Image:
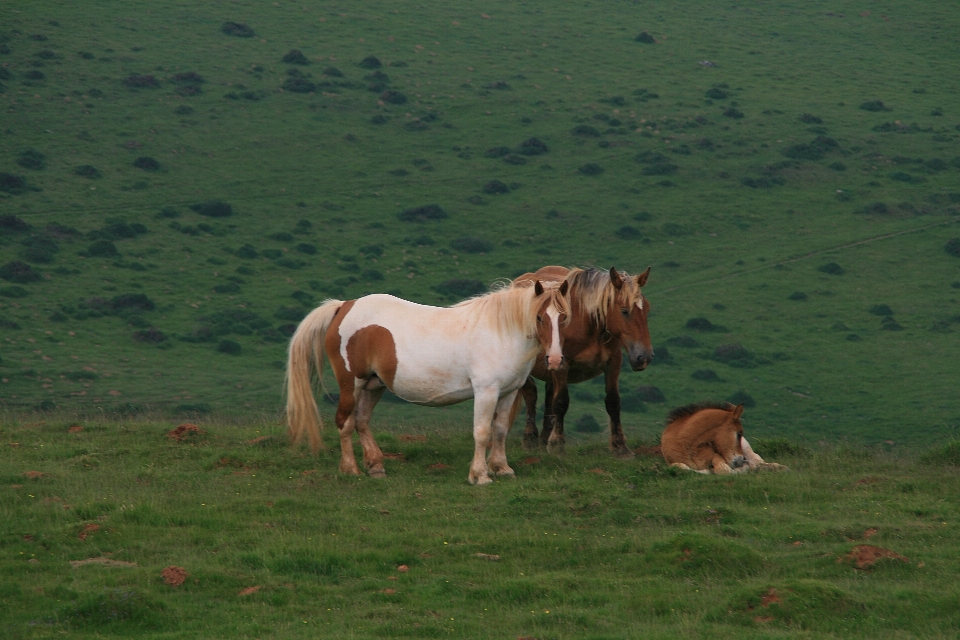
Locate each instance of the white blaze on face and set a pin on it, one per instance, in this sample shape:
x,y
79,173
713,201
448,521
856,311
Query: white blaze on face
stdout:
x,y
554,353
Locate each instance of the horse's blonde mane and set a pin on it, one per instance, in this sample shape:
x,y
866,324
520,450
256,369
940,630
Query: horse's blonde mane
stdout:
x,y
596,293
511,308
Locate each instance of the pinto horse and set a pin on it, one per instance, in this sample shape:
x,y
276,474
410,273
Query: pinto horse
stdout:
x,y
482,348
708,438
608,313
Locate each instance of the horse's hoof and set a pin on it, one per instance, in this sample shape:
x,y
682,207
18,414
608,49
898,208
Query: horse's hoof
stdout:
x,y
378,473
624,453
478,481
506,472
531,443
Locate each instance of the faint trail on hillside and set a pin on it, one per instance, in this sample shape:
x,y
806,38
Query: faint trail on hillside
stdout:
x,y
811,254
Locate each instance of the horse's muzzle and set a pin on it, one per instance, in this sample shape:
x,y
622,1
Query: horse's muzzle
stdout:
x,y
554,362
641,361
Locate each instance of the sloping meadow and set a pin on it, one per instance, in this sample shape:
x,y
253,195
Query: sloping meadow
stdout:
x,y
180,185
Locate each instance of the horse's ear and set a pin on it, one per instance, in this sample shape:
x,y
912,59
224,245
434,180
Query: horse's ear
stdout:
x,y
564,287
642,278
737,411
615,278
538,288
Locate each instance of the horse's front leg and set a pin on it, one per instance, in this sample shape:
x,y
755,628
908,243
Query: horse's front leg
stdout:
x,y
556,442
497,462
611,376
530,434
484,406
549,419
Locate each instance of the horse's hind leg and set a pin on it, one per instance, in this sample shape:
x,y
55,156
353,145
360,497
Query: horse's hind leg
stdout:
x,y
556,442
367,399
497,462
611,376
530,435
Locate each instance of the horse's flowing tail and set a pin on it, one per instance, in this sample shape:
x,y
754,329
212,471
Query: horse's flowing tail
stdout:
x,y
305,360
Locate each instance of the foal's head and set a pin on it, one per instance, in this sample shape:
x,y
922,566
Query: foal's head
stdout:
x,y
728,436
553,311
626,317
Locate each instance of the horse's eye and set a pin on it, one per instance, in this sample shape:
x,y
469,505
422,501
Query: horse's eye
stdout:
x,y
625,312
539,318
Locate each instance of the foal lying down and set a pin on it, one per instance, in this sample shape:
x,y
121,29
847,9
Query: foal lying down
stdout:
x,y
708,438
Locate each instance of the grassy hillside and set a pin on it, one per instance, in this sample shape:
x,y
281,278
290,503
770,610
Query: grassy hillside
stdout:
x,y
93,516
181,183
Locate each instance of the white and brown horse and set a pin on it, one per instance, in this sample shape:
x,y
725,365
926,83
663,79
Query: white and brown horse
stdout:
x,y
708,438
482,348
608,313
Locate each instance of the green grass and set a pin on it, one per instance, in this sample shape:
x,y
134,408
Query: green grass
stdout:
x,y
588,546
741,217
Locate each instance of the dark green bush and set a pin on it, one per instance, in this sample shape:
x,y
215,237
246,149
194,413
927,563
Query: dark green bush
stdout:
x,y
590,169
832,268
296,84
650,393
32,159
742,397
874,105
953,247
370,62
12,183
19,272
213,209
705,375
238,29
797,295
423,213
457,288
470,244
716,94
587,424
881,310
146,163
102,249
229,347
87,171
295,56
495,187
700,324
533,147
585,131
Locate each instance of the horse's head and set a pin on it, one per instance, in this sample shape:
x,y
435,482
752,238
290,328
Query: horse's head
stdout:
x,y
553,311
729,438
627,317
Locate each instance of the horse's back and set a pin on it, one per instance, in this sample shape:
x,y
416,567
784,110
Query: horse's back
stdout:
x,y
544,274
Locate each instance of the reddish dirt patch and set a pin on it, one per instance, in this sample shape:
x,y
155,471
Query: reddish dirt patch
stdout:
x,y
258,440
439,466
174,576
75,429
599,471
770,597
28,538
653,452
869,533
308,472
34,475
394,456
530,460
184,431
58,501
862,482
87,530
248,591
107,562
865,556
403,568
388,591
763,619
410,438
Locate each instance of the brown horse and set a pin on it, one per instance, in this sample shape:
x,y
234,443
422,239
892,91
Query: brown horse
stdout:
x,y
608,313
708,438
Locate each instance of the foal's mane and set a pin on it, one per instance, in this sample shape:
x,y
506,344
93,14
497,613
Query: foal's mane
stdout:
x,y
696,407
511,308
596,293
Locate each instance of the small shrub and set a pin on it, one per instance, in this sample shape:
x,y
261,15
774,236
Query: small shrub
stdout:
x,y
282,236
298,85
627,232
533,147
495,187
716,94
496,152
295,56
809,118
458,288
370,62
514,159
733,353
705,375
876,208
881,310
32,159
229,347
742,397
470,244
137,81
371,275
838,166
238,29
306,248
874,105
889,324
146,163
332,72
151,336
685,341
102,249
650,393
587,424
213,209
423,213
645,38
953,247
34,75
393,97
136,301
13,292
733,112
660,169
227,287
700,324
585,131
499,85
947,454
88,171
13,224
797,295
183,110
12,184
590,169
832,268
379,119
